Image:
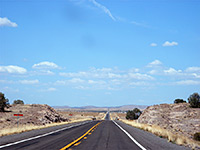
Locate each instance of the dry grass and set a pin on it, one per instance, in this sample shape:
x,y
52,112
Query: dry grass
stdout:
x,y
77,117
175,138
25,128
112,116
82,115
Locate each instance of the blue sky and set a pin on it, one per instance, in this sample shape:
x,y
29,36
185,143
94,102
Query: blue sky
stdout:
x,y
99,52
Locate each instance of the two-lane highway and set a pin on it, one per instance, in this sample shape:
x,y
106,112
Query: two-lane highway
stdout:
x,y
95,135
107,137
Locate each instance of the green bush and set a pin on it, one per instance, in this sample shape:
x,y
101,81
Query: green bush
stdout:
x,y
133,114
194,100
176,101
197,136
3,102
18,102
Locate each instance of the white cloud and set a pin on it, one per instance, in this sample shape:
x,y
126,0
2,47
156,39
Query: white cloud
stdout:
x,y
153,44
196,75
108,74
79,74
42,72
172,71
102,70
106,10
112,75
76,80
6,22
188,82
134,70
102,78
97,73
153,72
140,76
167,43
47,72
69,82
139,83
29,81
13,69
164,71
61,82
82,87
51,89
154,63
96,82
193,69
45,65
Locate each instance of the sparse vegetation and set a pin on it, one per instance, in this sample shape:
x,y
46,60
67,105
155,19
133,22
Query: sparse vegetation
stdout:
x,y
161,132
176,101
18,102
3,102
25,128
197,136
194,100
133,114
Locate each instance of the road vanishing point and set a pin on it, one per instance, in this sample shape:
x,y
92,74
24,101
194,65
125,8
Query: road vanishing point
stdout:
x,y
88,135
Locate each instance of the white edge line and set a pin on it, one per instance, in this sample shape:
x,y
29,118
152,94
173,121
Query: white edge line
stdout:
x,y
105,115
39,136
138,144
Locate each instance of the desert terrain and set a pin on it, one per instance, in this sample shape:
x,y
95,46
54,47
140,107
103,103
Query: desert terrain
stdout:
x,y
177,122
37,116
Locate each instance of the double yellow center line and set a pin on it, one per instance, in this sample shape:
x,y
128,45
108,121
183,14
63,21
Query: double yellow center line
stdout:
x,y
75,141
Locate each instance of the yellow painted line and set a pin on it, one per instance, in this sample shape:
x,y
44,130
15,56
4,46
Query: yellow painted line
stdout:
x,y
85,137
75,141
77,144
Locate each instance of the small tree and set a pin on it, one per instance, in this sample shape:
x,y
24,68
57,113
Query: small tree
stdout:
x,y
133,114
194,100
18,102
3,102
130,115
176,101
197,136
137,113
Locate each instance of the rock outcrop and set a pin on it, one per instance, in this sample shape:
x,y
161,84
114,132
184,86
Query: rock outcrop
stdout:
x,y
32,114
178,118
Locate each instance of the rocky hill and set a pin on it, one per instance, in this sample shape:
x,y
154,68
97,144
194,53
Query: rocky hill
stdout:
x,y
32,114
178,118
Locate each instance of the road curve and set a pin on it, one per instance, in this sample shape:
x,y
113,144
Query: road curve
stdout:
x,y
97,135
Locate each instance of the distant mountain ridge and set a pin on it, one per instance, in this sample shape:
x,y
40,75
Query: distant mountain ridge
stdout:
x,y
111,108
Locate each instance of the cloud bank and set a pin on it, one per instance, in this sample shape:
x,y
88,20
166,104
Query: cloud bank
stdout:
x,y
153,74
13,69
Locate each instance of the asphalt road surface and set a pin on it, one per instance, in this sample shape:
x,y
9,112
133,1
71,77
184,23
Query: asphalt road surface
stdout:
x,y
93,135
